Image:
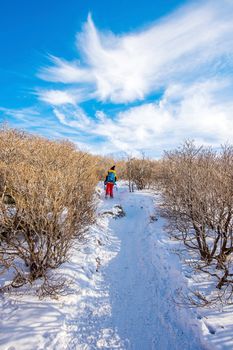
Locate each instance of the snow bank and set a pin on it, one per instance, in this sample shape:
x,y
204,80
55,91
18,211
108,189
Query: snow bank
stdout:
x,y
123,281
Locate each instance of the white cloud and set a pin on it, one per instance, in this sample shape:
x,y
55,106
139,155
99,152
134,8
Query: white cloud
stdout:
x,y
183,112
76,118
187,44
43,123
201,111
71,96
65,72
20,113
56,97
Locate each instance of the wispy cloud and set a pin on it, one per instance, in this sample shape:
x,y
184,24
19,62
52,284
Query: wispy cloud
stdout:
x,y
71,96
20,114
182,112
43,122
190,43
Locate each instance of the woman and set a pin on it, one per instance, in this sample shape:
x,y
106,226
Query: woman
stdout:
x,y
110,181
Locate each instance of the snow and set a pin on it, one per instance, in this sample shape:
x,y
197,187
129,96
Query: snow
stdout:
x,y
125,280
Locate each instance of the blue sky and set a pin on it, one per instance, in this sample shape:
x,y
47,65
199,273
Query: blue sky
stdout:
x,y
118,76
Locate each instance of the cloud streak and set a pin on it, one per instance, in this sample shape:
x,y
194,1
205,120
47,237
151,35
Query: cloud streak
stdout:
x,y
195,113
121,69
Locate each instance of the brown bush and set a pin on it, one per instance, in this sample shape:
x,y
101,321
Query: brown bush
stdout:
x,y
102,166
198,201
141,172
46,201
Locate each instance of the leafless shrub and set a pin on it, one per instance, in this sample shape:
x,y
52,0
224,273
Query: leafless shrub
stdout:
x,y
51,187
103,164
141,172
198,202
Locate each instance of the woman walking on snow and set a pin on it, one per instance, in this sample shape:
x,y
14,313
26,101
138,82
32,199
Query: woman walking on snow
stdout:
x,y
110,181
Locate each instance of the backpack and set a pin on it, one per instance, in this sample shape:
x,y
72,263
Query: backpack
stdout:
x,y
111,177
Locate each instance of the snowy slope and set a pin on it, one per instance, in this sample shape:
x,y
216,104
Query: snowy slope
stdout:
x,y
124,281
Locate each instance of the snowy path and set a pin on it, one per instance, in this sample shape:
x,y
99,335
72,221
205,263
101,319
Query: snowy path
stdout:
x,y
133,307
123,293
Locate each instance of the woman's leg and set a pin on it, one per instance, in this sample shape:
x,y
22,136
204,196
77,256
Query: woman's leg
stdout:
x,y
111,190
107,189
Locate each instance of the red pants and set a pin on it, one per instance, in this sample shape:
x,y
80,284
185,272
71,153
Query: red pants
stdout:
x,y
109,189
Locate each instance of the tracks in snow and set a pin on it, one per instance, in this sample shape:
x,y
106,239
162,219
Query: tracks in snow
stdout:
x,y
128,302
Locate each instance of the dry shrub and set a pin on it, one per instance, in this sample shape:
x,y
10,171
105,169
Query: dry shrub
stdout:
x,y
141,172
46,201
121,169
102,166
198,202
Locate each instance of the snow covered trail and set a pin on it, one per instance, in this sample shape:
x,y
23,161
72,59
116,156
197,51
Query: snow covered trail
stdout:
x,y
125,280
132,305
140,291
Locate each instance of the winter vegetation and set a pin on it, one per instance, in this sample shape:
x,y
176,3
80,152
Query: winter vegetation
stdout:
x,y
47,193
198,204
46,203
49,200
140,172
